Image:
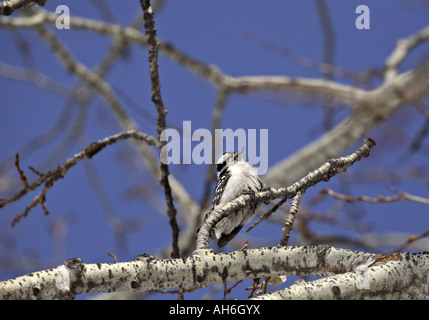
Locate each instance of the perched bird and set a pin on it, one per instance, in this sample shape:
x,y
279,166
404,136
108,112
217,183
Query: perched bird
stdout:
x,y
235,177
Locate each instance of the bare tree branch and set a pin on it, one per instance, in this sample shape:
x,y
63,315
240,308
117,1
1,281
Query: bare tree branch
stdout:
x,y
37,21
324,173
370,109
10,6
42,81
290,219
49,178
153,44
350,274
371,280
400,197
403,47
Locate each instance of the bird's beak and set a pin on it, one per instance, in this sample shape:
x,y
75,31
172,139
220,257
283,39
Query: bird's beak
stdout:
x,y
240,154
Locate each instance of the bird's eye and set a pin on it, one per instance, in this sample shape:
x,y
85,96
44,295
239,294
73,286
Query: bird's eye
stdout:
x,y
220,166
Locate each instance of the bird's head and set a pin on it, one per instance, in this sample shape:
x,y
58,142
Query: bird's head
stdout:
x,y
228,158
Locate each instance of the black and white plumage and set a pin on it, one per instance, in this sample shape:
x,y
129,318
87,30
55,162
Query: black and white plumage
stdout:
x,y
235,177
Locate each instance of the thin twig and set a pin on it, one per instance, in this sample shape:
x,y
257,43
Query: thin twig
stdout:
x,y
329,37
49,178
113,256
402,49
268,213
153,44
409,241
22,175
227,290
254,287
290,219
400,197
180,291
323,67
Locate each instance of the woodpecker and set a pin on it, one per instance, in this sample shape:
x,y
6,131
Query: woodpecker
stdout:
x,y
235,177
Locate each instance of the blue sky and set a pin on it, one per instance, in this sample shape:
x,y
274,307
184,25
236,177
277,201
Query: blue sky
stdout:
x,y
214,32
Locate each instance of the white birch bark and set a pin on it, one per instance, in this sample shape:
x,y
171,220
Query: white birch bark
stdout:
x,y
346,274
